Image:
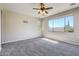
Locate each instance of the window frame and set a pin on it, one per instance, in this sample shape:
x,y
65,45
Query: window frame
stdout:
x,y
64,22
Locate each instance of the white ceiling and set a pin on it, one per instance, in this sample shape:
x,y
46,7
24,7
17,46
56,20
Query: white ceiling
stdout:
x,y
27,8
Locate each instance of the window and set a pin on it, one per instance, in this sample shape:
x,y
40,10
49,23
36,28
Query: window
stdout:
x,y
61,24
69,24
51,25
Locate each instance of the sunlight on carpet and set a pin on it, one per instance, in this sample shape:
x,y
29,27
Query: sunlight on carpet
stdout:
x,y
52,41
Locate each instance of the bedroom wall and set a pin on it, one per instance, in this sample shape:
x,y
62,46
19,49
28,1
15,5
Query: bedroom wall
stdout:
x,y
0,28
72,38
14,28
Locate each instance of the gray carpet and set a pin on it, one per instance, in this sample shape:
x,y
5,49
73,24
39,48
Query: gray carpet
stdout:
x,y
39,47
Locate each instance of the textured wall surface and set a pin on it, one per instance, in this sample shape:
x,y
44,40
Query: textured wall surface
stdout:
x,y
0,29
19,27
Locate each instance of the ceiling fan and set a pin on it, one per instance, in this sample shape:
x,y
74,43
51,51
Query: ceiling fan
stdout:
x,y
43,9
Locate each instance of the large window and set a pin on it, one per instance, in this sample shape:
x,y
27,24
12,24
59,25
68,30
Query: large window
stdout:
x,y
64,24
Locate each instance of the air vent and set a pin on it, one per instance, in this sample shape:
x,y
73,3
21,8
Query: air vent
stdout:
x,y
25,21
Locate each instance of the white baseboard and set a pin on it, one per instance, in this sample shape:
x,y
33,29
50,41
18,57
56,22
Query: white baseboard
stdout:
x,y
20,40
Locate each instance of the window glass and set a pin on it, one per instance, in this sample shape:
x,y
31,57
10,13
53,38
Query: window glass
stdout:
x,y
61,24
50,25
69,24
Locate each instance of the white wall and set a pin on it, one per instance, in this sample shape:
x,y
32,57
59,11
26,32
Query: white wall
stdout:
x,y
0,29
72,38
13,28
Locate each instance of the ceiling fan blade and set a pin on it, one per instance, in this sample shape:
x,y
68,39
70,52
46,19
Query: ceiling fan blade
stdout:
x,y
46,12
36,8
49,8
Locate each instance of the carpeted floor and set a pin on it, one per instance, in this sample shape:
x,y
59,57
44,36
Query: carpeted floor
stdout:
x,y
39,47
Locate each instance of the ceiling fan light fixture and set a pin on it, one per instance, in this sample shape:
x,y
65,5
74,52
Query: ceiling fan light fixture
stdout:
x,y
43,9
42,12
